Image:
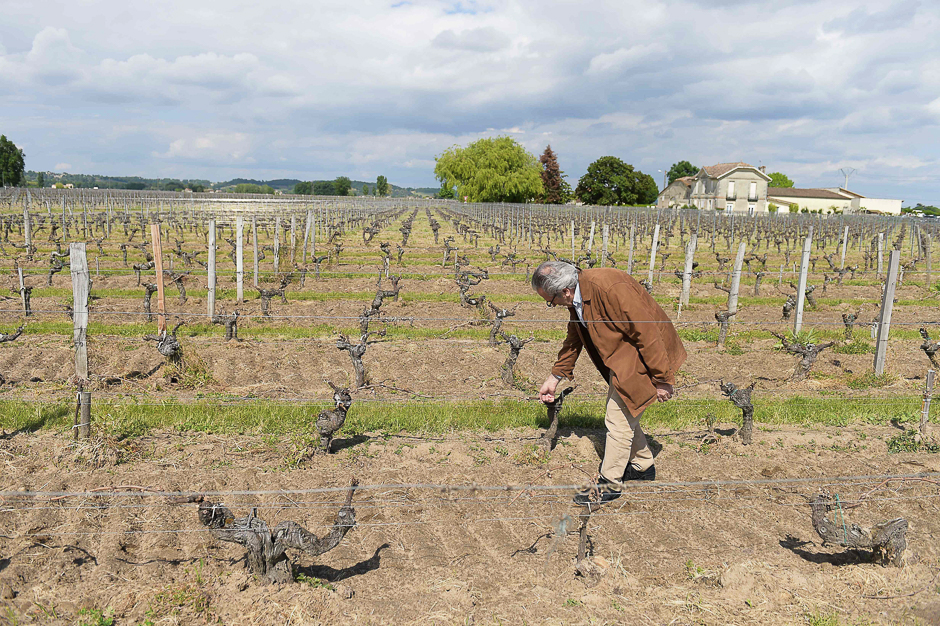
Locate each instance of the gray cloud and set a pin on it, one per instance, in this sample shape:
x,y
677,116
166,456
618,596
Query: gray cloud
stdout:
x,y
214,91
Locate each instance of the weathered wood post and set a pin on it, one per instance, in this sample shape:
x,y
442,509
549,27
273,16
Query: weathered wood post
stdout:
x,y
928,258
303,256
293,238
925,410
881,253
573,258
887,305
845,242
27,229
240,259
649,277
254,245
277,244
606,235
801,285
81,286
632,244
157,243
211,264
736,279
687,271
23,299
590,245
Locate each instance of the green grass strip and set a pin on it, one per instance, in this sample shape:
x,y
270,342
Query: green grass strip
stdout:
x,y
133,418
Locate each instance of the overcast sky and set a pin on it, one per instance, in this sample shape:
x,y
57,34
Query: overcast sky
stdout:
x,y
318,89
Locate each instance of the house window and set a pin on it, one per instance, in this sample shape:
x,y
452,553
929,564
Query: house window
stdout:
x,y
729,206
731,195
752,193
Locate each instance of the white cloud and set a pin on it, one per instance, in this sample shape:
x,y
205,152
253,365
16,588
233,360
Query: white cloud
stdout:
x,y
61,167
213,89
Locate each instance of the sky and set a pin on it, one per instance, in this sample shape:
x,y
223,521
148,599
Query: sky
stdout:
x,y
319,89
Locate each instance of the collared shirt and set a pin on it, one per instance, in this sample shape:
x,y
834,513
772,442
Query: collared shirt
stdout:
x,y
578,304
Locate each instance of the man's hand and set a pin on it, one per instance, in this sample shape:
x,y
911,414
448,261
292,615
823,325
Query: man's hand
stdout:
x,y
664,391
547,390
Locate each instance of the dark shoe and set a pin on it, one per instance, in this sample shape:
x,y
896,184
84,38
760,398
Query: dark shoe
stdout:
x,y
633,473
604,492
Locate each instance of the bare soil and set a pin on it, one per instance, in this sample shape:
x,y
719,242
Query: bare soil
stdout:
x,y
665,553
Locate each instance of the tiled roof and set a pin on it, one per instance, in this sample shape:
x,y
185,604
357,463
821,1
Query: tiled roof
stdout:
x,y
686,179
791,192
716,171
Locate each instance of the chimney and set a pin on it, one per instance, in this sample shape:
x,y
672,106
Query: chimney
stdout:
x,y
763,169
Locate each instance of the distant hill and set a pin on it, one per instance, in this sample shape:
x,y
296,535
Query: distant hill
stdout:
x,y
284,185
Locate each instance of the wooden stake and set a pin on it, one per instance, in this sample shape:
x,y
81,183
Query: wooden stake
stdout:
x,y
81,285
736,279
158,268
687,270
887,305
240,259
606,236
649,277
212,281
801,286
925,411
254,244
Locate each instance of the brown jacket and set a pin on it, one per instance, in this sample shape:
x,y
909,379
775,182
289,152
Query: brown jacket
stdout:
x,y
631,342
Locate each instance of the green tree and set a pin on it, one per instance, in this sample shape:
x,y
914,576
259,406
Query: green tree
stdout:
x,y
323,188
12,164
342,185
680,169
446,193
381,186
646,189
552,178
365,190
494,169
779,180
608,181
40,180
135,186
197,187
303,188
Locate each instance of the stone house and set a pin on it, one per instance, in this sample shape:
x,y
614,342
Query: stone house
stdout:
x,y
736,187
676,194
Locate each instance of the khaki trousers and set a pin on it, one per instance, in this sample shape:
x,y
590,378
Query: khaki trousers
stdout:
x,y
626,443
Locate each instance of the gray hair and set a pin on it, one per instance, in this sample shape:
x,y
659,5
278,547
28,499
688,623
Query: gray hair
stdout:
x,y
553,277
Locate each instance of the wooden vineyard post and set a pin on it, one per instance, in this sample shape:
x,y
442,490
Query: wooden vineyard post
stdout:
x,y
293,239
881,254
925,411
81,285
27,229
80,289
254,246
277,244
630,259
158,268
606,236
887,305
928,258
591,239
687,270
211,268
240,259
23,299
649,277
801,286
303,256
736,280
573,259
845,242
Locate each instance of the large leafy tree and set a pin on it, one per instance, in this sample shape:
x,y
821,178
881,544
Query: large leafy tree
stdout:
x,y
495,169
646,189
779,180
323,188
608,181
680,169
303,188
12,164
342,185
553,179
381,186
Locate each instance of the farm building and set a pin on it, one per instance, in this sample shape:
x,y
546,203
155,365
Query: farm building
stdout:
x,y
832,198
